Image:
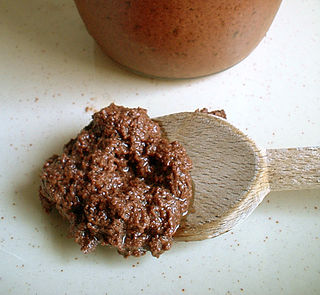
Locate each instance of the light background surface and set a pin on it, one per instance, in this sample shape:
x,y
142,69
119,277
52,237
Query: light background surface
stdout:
x,y
52,78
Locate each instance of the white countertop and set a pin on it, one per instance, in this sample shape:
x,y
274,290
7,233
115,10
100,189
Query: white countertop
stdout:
x,y
52,77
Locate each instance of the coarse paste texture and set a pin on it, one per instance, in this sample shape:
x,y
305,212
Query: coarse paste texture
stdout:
x,y
218,113
120,183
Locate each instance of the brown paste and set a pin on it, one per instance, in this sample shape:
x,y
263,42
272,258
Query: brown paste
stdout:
x,y
218,113
120,183
178,38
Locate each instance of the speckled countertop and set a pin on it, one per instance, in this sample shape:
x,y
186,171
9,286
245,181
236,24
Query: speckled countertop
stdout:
x,y
53,76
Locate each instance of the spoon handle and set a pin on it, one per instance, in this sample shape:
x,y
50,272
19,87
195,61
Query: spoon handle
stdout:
x,y
294,168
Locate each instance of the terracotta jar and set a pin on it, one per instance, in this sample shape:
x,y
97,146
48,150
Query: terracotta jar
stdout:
x,y
177,38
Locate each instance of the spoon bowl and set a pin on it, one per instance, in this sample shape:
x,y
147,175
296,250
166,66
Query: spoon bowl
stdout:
x,y
230,174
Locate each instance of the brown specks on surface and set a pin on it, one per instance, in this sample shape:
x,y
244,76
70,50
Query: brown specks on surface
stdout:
x,y
21,266
33,245
90,108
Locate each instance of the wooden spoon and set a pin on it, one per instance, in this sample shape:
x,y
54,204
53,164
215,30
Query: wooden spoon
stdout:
x,y
231,176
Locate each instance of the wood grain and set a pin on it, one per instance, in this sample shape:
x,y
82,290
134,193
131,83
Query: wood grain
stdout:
x,y
229,173
231,176
294,168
